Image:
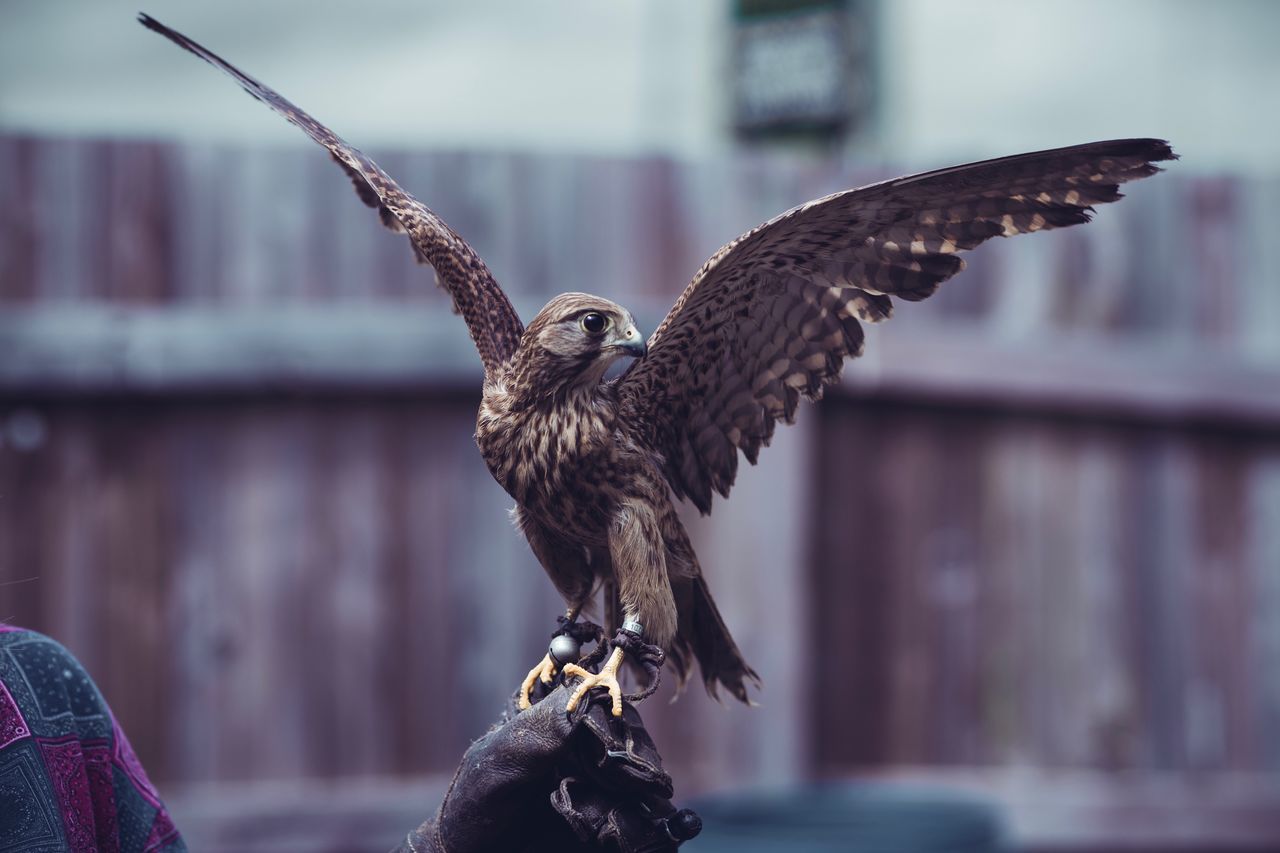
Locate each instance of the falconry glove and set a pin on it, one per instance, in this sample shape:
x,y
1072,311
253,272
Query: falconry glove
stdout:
x,y
546,780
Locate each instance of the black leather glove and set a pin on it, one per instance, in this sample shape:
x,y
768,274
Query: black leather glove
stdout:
x,y
544,780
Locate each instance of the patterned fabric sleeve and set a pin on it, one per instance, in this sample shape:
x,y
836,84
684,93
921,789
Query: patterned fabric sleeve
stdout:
x,y
69,780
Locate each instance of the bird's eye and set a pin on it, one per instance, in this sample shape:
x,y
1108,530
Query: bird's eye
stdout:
x,y
593,323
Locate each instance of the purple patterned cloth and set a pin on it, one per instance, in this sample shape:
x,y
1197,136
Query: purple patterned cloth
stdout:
x,y
68,778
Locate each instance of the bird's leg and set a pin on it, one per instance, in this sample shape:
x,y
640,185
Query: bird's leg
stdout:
x,y
628,640
563,649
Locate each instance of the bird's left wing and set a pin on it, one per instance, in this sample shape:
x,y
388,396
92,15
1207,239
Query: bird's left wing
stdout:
x,y
494,325
772,316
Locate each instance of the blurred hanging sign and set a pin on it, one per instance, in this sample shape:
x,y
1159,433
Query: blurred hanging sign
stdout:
x,y
801,66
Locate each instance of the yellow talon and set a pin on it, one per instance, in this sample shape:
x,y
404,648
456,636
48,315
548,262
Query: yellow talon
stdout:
x,y
607,677
545,671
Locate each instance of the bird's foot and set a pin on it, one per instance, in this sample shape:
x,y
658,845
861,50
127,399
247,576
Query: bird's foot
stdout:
x,y
544,672
607,678
625,643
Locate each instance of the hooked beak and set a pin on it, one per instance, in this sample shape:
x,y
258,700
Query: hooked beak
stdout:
x,y
632,342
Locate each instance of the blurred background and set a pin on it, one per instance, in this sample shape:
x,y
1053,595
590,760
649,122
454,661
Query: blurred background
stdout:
x,y
1027,556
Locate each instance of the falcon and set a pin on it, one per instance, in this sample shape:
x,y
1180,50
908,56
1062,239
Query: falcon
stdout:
x,y
594,464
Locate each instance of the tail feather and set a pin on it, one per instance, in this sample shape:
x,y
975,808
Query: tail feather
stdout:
x,y
703,636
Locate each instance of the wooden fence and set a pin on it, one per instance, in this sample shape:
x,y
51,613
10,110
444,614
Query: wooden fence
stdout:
x,y
1038,526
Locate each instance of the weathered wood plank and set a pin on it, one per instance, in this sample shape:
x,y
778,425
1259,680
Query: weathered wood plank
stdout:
x,y
22,236
1263,547
1103,694
850,591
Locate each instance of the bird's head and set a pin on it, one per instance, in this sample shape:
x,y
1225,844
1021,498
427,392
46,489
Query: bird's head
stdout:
x,y
575,338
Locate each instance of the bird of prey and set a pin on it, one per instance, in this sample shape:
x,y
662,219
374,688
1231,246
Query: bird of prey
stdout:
x,y
594,463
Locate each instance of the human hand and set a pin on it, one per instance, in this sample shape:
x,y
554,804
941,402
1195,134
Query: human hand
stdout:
x,y
544,779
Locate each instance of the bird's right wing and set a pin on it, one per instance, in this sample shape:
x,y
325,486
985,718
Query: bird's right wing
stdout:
x,y
495,327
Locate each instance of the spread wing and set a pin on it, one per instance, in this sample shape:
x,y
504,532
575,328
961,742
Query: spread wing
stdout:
x,y
771,317
495,327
